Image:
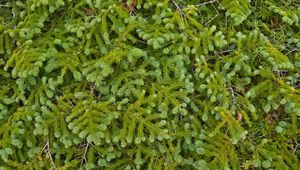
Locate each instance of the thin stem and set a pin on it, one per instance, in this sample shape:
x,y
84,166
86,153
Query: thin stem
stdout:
x,y
233,96
179,9
211,19
83,159
205,3
225,51
296,147
1,5
291,51
47,149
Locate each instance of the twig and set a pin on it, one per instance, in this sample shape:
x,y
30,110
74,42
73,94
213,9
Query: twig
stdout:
x,y
71,104
251,141
211,19
233,96
47,149
215,7
92,88
291,51
179,9
44,148
226,51
296,147
1,5
49,154
205,3
235,102
83,158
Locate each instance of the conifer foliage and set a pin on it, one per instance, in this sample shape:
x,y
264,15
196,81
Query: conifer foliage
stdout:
x,y
149,84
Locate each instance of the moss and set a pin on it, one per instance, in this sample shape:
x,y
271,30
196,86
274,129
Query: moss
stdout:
x,y
152,84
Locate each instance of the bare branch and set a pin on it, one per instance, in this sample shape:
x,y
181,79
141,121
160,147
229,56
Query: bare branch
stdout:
x,y
226,51
296,147
235,102
1,5
211,19
83,158
179,9
291,51
232,94
251,141
205,3
46,149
